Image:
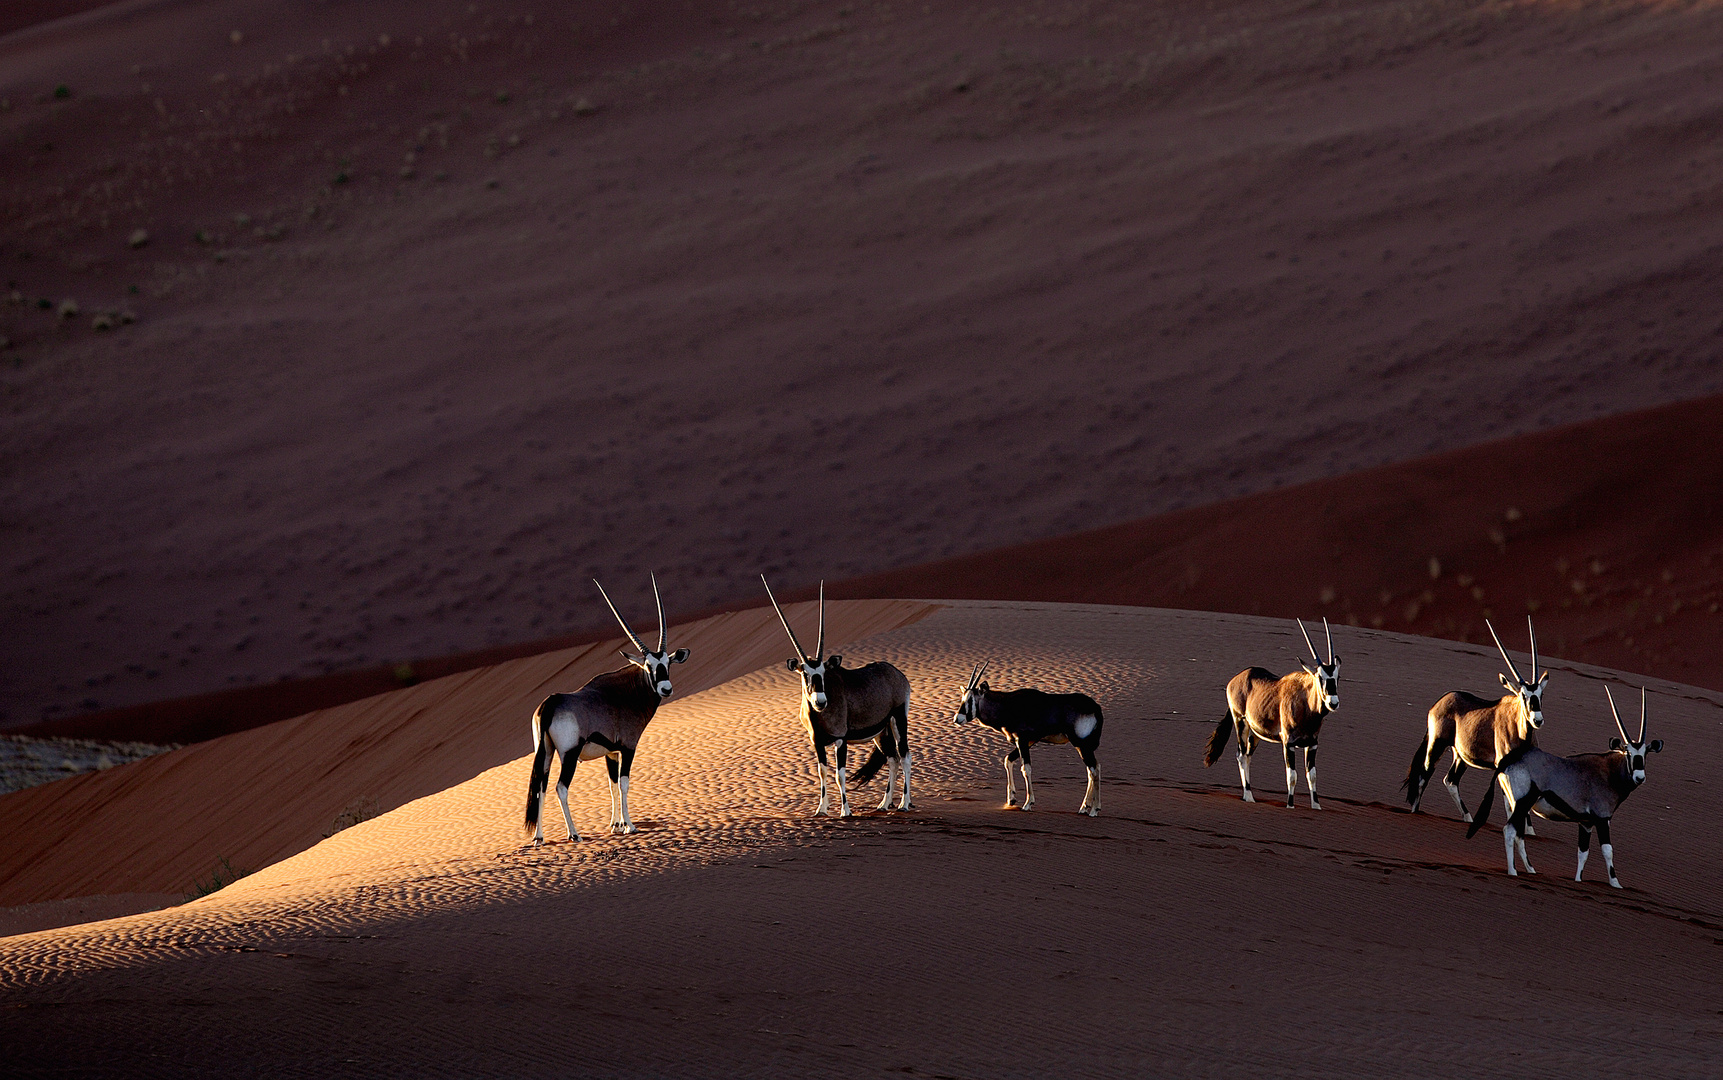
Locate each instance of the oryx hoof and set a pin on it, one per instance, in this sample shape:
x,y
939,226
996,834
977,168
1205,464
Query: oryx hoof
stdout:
x,y
626,829
906,805
1467,818
1512,872
538,841
1248,797
1027,807
1529,869
1314,805
1614,884
1092,811
1010,803
846,812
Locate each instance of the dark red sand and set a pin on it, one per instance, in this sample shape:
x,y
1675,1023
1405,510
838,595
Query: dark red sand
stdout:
x,y
818,289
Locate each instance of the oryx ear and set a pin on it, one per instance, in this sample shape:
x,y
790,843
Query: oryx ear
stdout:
x,y
1335,660
679,656
1507,682
834,660
1617,744
1655,746
981,686
1306,668
793,664
1543,681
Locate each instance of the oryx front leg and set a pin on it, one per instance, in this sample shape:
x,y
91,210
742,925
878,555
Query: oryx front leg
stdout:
x,y
904,802
1028,776
1244,767
612,765
1290,753
843,792
820,767
1584,851
1310,776
1452,783
1608,853
1010,782
625,824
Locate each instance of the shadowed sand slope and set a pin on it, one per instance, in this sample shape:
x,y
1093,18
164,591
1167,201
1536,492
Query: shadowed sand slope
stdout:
x,y
422,342
258,796
735,935
1609,531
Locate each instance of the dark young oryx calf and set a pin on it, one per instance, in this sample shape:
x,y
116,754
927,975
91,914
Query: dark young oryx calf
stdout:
x,y
604,718
1287,709
1482,732
845,705
1584,788
1030,716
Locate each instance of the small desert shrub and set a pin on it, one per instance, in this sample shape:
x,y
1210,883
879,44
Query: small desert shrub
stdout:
x,y
363,810
220,878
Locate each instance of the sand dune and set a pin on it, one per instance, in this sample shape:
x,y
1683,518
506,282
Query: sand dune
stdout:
x,y
820,289
735,934
261,795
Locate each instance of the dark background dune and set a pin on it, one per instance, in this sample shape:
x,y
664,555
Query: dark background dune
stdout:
x,y
534,292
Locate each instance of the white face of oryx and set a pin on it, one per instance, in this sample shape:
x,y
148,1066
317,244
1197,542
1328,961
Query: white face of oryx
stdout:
x,y
656,665
970,703
1329,676
1636,755
1531,697
813,674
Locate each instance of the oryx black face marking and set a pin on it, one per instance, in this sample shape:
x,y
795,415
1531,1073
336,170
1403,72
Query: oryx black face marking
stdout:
x,y
844,705
1029,716
1287,709
1586,789
1482,732
604,718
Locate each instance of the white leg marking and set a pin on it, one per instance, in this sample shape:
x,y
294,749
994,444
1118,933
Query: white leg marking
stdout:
x,y
1028,787
905,803
1291,783
1579,874
1609,864
1520,846
890,778
567,818
1092,796
1010,784
1454,790
626,825
538,833
1310,780
1508,842
843,794
1244,774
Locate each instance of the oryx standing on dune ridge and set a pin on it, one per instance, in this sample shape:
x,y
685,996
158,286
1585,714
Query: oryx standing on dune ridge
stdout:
x,y
1481,732
1584,788
605,719
1287,709
1030,716
841,706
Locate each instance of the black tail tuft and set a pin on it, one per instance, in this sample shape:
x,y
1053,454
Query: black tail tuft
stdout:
x,y
540,774
1416,777
868,768
1482,817
1217,742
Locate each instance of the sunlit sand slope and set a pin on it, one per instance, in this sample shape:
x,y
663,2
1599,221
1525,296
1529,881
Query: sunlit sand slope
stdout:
x,y
1183,931
258,796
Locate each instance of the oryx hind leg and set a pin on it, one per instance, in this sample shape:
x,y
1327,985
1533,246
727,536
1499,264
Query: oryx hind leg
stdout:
x,y
820,767
625,824
613,765
1452,783
1092,793
1010,782
570,758
890,779
1584,851
1608,853
1028,777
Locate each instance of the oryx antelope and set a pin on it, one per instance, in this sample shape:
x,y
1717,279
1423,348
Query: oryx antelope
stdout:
x,y
1029,716
604,719
1287,709
1481,732
1584,788
851,705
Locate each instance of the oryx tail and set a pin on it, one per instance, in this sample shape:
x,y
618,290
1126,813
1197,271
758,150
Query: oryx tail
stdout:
x,y
1416,776
540,768
1217,742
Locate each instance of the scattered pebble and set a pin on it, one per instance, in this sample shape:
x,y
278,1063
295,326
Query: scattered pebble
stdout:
x,y
584,107
104,321
234,37
69,309
139,238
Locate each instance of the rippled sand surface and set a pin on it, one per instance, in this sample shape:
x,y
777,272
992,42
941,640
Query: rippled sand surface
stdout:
x,y
1183,931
